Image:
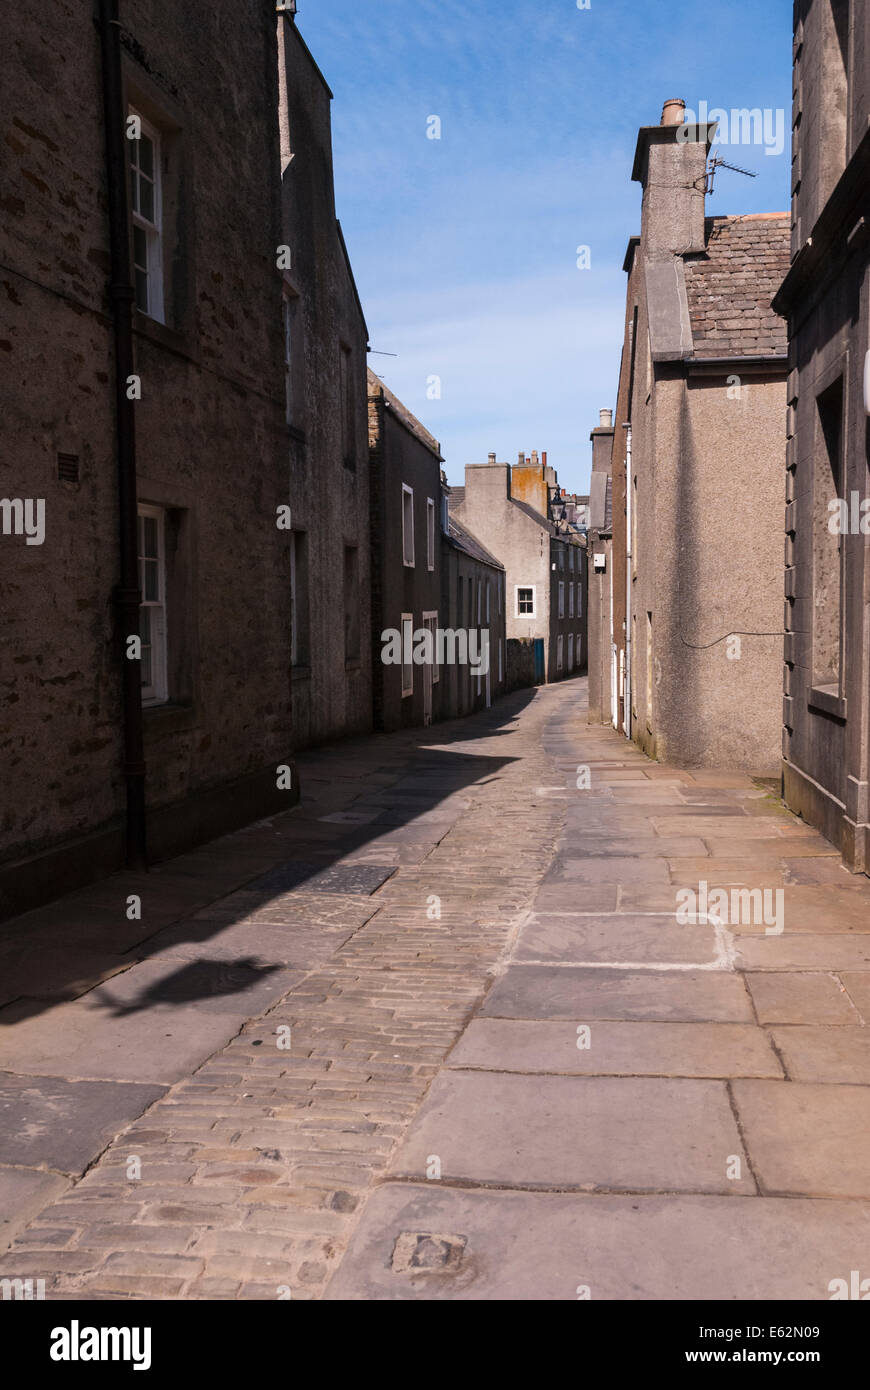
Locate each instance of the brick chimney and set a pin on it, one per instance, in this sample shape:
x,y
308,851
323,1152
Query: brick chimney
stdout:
x,y
671,164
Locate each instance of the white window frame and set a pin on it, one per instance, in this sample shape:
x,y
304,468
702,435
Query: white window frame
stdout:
x,y
559,652
407,531
518,588
152,230
156,692
407,670
430,533
561,598
430,621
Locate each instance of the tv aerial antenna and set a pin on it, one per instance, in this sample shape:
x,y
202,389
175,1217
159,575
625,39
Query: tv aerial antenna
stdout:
x,y
717,162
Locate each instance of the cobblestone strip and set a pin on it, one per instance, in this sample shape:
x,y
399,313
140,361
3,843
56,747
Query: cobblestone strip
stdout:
x,y
253,1170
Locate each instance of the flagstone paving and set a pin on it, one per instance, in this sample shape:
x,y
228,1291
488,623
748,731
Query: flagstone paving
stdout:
x,y
438,1033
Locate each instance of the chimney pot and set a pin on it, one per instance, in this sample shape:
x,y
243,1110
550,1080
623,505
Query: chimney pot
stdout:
x,y
606,419
522,460
673,111
492,458
544,458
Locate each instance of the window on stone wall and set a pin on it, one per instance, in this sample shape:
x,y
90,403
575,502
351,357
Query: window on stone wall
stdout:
x,y
351,604
570,600
407,526
561,598
407,654
525,602
147,216
348,419
828,483
559,652
430,533
152,600
294,359
570,651
299,622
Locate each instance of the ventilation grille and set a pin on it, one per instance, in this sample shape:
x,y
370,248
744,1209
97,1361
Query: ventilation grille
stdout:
x,y
68,468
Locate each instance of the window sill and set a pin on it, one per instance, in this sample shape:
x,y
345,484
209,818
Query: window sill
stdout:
x,y
826,699
164,336
168,718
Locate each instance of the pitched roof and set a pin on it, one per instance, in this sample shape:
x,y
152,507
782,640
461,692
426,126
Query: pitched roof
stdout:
x,y
401,411
463,538
730,286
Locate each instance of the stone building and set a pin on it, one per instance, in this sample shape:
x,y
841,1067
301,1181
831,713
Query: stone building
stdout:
x,y
428,574
510,510
697,488
601,579
325,339
148,370
826,299
473,600
406,559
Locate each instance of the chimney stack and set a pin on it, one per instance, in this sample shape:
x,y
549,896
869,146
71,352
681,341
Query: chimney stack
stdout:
x,y
673,111
671,164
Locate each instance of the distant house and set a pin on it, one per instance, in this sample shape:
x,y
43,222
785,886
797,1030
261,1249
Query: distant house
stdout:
x,y
473,590
510,510
697,469
826,744
405,466
601,578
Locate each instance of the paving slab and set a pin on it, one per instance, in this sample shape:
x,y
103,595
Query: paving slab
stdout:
x,y
548,991
340,878
587,1133
523,1246
858,986
23,1194
157,1023
807,1140
797,997
49,1122
580,870
615,938
586,898
616,1049
825,1054
803,951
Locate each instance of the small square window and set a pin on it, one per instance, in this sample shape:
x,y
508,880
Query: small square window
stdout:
x,y
526,602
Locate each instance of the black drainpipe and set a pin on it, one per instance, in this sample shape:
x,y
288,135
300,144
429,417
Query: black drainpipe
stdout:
x,y
126,595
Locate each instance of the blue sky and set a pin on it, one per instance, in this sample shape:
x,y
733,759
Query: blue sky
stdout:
x,y
465,248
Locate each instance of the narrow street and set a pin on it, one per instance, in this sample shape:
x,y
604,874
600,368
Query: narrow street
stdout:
x,y
437,1033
